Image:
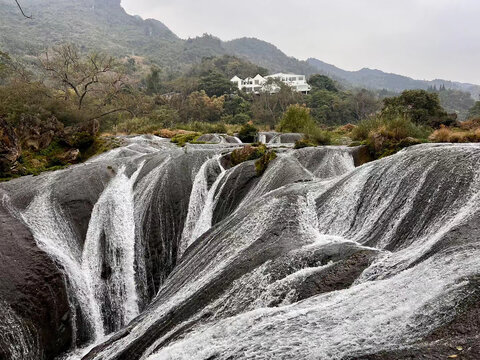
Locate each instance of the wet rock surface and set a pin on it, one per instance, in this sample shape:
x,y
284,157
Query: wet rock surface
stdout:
x,y
313,259
34,288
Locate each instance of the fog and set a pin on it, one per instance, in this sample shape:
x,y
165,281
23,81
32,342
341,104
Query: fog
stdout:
x,y
424,39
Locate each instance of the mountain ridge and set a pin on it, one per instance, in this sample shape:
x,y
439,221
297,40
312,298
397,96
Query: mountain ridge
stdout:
x,y
105,25
375,78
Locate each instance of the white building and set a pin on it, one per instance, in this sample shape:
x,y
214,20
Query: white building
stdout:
x,y
261,84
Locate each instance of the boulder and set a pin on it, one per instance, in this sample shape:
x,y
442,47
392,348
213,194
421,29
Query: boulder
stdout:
x,y
37,134
9,147
70,157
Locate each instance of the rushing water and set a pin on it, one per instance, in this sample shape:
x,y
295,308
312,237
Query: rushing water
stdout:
x,y
314,259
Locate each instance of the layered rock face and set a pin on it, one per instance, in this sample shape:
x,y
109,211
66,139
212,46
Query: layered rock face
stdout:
x,y
160,252
9,147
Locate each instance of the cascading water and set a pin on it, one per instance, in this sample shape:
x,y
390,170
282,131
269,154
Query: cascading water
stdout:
x,y
55,236
21,340
202,204
108,258
312,259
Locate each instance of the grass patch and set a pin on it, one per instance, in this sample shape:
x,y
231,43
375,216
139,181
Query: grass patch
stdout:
x,y
184,138
455,135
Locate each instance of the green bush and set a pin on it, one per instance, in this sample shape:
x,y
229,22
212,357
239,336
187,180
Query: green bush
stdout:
x,y
365,126
82,140
262,163
318,136
297,119
182,139
247,153
203,127
303,143
248,133
386,135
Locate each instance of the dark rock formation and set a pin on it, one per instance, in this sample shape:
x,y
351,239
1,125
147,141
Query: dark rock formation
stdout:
x,y
9,148
37,134
378,261
33,286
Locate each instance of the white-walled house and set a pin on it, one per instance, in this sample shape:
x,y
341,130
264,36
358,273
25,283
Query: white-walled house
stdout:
x,y
259,83
298,82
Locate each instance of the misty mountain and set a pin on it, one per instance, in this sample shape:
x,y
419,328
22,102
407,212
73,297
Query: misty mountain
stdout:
x,y
104,25
377,79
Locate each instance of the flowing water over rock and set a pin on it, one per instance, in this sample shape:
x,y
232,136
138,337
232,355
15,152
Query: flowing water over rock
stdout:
x,y
161,252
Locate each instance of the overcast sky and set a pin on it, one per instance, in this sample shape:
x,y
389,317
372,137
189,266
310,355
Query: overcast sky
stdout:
x,y
424,39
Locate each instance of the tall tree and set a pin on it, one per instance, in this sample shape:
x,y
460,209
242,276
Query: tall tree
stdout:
x,y
474,111
75,73
322,82
421,106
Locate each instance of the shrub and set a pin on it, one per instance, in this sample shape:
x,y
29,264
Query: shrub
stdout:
x,y
471,124
248,133
139,125
82,140
441,135
247,153
318,136
182,139
297,119
364,127
262,163
204,127
385,135
445,134
303,143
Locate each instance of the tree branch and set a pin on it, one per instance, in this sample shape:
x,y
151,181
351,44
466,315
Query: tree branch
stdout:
x,y
21,10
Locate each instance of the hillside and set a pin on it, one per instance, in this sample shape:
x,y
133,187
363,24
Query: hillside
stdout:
x,y
376,79
104,25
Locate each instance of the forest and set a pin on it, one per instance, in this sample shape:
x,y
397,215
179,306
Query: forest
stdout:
x,y
66,105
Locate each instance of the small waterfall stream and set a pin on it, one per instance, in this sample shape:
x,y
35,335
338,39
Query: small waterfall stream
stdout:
x,y
54,235
108,258
202,204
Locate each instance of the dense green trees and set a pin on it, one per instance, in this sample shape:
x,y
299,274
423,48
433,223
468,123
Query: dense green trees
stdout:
x,y
215,83
474,111
421,106
342,107
153,83
322,82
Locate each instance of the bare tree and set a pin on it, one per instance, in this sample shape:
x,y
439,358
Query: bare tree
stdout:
x,y
82,75
96,83
21,10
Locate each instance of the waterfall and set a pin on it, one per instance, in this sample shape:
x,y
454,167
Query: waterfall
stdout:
x,y
202,204
312,259
100,277
108,259
262,138
277,139
21,340
54,235
143,194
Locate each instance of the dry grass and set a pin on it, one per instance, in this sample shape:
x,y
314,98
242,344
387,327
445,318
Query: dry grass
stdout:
x,y
455,135
471,124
